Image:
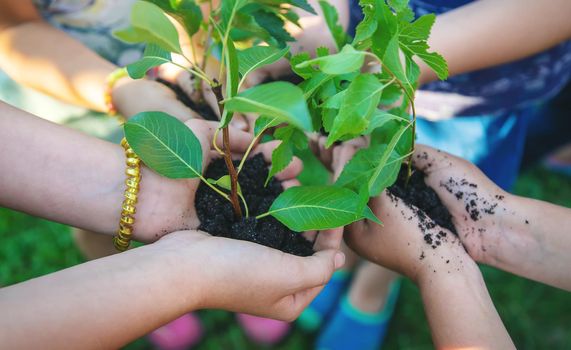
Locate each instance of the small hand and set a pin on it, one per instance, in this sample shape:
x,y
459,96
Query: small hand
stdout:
x,y
134,96
167,205
246,277
480,209
402,242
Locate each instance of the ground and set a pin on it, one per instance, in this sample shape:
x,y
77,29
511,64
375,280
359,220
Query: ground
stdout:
x,y
536,316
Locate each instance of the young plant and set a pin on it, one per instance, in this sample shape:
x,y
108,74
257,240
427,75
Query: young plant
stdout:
x,y
348,103
170,148
335,97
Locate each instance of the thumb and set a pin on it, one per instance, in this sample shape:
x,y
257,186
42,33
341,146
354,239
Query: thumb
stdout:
x,y
318,268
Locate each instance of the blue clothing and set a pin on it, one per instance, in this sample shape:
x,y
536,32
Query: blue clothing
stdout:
x,y
490,107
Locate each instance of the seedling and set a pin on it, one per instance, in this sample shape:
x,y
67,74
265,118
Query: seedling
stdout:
x,y
337,97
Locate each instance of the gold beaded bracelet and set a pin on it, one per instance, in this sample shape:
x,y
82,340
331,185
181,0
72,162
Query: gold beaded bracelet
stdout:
x,y
108,97
133,171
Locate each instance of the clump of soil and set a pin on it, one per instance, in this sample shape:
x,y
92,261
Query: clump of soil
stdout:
x,y
474,205
203,109
426,205
217,218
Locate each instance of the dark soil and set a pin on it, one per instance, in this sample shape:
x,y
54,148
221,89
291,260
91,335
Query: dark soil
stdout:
x,y
203,109
425,203
217,218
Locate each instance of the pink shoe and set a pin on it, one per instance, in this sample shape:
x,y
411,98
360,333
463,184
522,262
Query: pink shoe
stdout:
x,y
182,333
263,330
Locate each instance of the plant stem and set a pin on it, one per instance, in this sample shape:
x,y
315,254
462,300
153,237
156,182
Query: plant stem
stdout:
x,y
411,100
214,188
263,215
250,147
217,89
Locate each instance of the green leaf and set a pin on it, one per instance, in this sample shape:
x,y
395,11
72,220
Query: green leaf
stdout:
x,y
151,25
305,72
360,101
307,208
274,25
258,56
413,41
263,123
332,19
360,170
188,13
377,171
279,99
228,10
225,182
281,157
348,60
314,172
153,56
165,144
367,27
311,85
302,4
380,118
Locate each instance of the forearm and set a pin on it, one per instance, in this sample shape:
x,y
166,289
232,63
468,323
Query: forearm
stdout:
x,y
63,175
535,242
487,33
42,57
460,312
102,304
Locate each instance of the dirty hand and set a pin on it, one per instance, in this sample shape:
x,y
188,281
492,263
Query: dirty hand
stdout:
x,y
409,242
481,211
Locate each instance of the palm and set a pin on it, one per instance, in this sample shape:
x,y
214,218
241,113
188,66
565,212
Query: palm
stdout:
x,y
476,204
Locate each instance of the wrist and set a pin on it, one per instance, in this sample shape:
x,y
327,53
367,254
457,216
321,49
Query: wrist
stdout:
x,y
182,255
461,272
165,205
450,264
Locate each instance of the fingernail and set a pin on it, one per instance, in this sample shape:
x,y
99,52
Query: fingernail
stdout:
x,y
339,260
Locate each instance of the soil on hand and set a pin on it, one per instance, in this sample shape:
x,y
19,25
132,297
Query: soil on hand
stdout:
x,y
426,205
217,218
203,108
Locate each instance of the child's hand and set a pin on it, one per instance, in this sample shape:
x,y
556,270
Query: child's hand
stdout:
x,y
246,277
134,96
167,205
481,211
402,243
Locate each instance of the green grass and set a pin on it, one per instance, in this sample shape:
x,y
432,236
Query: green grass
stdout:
x,y
536,316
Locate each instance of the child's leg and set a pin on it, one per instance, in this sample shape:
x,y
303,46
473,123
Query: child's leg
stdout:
x,y
362,317
321,307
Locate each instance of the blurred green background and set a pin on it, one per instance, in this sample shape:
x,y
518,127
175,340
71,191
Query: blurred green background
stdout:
x,y
536,316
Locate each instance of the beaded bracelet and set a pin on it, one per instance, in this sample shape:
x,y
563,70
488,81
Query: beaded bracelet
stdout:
x,y
123,238
108,97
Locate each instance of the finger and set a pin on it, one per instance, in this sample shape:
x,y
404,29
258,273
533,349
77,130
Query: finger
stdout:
x,y
316,270
341,156
329,239
178,110
239,140
291,171
290,183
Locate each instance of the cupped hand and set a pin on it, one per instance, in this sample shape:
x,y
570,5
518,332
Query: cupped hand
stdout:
x,y
134,96
480,209
167,205
408,242
246,277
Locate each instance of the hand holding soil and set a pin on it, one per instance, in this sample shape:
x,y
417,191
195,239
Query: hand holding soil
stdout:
x,y
242,276
167,205
481,211
133,96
